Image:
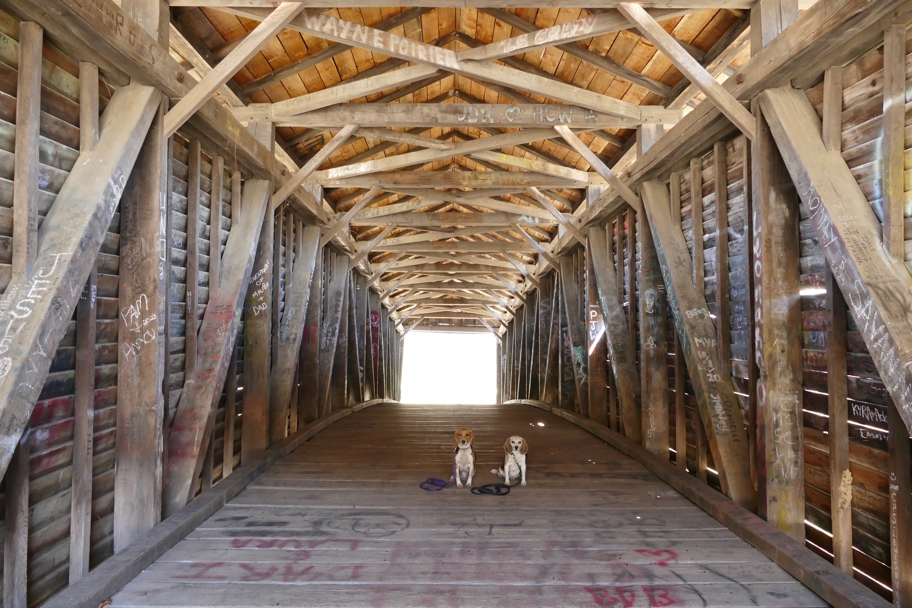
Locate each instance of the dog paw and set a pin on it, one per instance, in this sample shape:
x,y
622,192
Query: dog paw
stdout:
x,y
469,484
523,483
458,485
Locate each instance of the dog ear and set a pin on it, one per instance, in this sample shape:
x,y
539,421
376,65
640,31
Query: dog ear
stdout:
x,y
507,447
456,439
472,440
525,447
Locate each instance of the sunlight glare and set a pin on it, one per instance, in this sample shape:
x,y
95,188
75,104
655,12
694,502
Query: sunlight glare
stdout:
x,y
449,368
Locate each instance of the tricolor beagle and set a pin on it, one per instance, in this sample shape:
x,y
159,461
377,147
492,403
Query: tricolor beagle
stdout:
x,y
463,457
514,465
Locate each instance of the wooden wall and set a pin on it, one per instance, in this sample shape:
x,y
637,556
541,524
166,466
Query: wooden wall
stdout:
x,y
722,263
191,280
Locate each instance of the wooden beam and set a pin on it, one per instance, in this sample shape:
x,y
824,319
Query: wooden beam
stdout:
x,y
479,247
900,449
195,417
534,166
617,331
873,284
404,138
28,115
577,333
601,168
230,65
429,56
838,427
564,35
777,319
257,345
16,524
79,219
334,297
769,18
344,221
453,218
653,344
536,246
314,59
449,179
894,116
409,115
719,406
144,303
191,296
689,66
309,354
368,247
312,165
216,184
550,208
297,299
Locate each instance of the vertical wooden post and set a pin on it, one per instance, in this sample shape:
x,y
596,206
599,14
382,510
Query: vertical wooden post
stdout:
x,y
309,354
335,303
654,350
723,316
900,448
838,410
632,284
140,334
894,115
596,347
15,541
84,399
83,427
28,120
768,19
150,15
576,332
778,318
277,262
374,306
679,367
192,282
832,108
339,378
699,274
257,344
231,388
551,388
647,135
215,225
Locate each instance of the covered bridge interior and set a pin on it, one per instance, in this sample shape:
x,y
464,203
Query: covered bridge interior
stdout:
x,y
683,220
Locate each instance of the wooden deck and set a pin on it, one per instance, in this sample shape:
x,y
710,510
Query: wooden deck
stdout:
x,y
342,522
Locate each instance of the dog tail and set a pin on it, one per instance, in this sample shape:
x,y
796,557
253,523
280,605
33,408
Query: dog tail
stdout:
x,y
498,472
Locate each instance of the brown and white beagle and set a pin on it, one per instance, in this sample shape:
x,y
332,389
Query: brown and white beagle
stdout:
x,y
463,457
514,464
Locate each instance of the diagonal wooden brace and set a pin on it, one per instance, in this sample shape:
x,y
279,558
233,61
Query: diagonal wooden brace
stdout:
x,y
37,307
720,409
877,289
291,331
195,415
617,330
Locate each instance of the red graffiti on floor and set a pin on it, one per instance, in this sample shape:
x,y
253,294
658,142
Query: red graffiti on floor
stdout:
x,y
664,555
627,596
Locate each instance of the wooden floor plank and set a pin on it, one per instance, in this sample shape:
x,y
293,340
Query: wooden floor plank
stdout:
x,y
342,522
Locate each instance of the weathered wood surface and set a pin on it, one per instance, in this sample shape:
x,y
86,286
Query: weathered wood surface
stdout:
x,y
617,330
718,405
777,320
37,307
257,347
348,516
875,286
334,296
144,304
455,115
653,344
195,415
291,329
